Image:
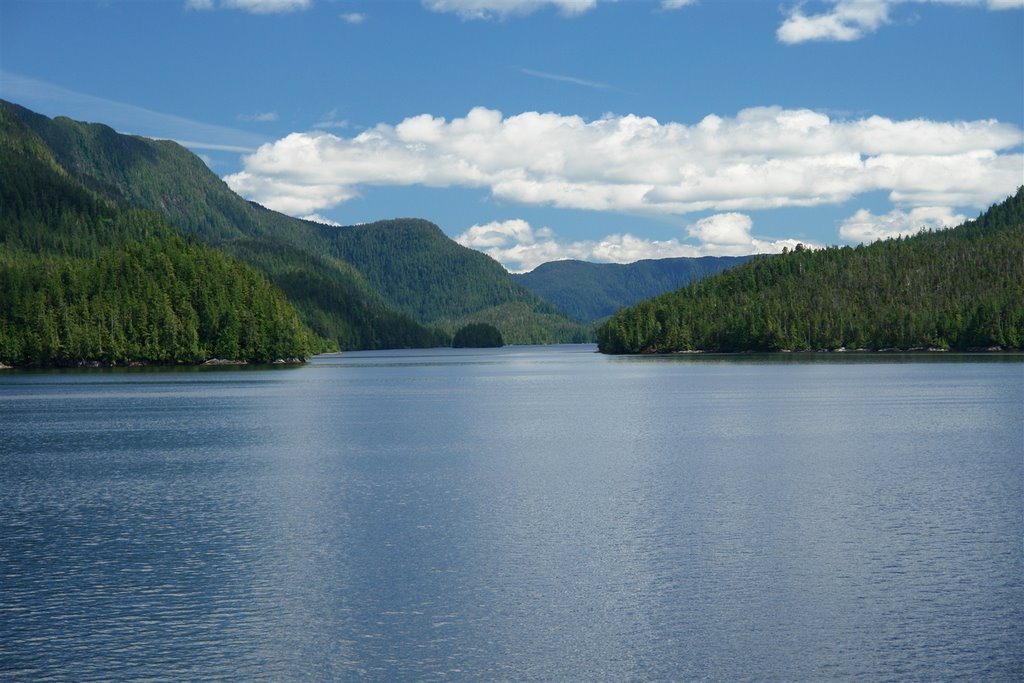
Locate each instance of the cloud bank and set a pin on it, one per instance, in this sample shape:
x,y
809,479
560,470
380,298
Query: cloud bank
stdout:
x,y
762,158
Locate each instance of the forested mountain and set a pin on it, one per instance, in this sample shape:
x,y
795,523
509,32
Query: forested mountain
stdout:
x,y
83,279
960,288
332,297
438,282
590,291
413,299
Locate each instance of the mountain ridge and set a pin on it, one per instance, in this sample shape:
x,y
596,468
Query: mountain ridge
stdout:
x,y
960,288
589,292
302,257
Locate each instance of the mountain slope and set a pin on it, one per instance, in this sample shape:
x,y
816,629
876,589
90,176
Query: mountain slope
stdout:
x,y
83,279
435,280
958,289
591,291
333,297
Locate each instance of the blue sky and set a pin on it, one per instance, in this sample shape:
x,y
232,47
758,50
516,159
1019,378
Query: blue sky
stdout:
x,y
535,130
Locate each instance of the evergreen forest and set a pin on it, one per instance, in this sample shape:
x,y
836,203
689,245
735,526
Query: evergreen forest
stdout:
x,y
84,279
118,249
954,289
440,283
477,336
319,268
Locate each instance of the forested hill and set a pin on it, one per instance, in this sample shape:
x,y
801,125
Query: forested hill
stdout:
x,y
425,274
85,280
961,288
590,291
332,297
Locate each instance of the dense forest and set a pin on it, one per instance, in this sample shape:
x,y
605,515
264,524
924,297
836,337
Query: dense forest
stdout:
x,y
332,297
84,279
588,292
477,336
343,287
961,288
438,282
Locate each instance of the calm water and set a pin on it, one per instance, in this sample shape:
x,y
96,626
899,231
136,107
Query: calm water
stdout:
x,y
516,514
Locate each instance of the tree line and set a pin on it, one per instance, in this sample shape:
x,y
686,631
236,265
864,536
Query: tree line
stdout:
x,y
960,288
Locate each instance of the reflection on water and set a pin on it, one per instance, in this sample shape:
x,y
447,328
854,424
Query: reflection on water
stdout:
x,y
537,513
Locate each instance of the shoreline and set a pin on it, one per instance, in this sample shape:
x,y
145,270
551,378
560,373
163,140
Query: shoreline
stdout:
x,y
110,365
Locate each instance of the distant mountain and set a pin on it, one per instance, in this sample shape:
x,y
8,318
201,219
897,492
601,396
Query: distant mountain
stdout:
x,y
333,298
85,279
438,282
961,288
591,291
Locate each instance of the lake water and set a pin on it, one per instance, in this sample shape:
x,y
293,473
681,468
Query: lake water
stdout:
x,y
528,513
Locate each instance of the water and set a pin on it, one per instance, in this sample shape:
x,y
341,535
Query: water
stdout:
x,y
517,514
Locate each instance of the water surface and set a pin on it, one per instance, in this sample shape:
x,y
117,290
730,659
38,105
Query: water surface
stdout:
x,y
528,513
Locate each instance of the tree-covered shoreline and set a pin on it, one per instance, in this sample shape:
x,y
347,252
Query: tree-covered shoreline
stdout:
x,y
86,281
955,289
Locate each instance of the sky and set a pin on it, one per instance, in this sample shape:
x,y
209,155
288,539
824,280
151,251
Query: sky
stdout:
x,y
536,130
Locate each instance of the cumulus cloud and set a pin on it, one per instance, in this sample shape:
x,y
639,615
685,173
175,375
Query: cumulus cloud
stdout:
x,y
865,226
502,9
765,157
848,20
520,248
353,17
728,234
253,6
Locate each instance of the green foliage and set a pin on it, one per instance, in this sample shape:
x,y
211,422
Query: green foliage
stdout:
x,y
953,289
588,292
83,279
439,282
520,324
332,297
477,336
161,301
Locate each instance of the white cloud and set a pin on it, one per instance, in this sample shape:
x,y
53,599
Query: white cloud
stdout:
x,y
317,218
865,226
520,248
848,20
764,157
502,9
253,6
728,234
676,4
353,17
